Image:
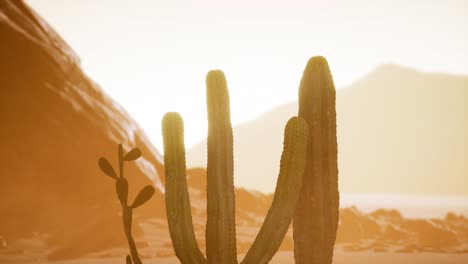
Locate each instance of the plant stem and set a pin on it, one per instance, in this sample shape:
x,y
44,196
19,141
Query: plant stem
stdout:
x,y
127,222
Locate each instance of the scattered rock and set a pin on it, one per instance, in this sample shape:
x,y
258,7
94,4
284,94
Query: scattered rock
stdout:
x,y
3,243
355,226
99,234
407,249
430,234
391,216
394,234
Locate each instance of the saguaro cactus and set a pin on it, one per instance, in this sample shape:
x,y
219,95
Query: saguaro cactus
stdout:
x,y
220,230
316,216
121,187
221,224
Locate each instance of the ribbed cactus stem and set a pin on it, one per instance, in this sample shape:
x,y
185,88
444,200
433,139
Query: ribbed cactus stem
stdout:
x,y
287,192
220,228
316,216
178,209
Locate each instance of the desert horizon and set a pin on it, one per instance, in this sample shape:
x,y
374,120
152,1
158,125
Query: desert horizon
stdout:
x,y
245,133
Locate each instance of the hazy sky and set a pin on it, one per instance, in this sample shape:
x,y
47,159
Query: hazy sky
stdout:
x,y
152,56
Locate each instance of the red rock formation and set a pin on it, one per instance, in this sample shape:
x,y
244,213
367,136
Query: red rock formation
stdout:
x,y
430,233
56,123
355,226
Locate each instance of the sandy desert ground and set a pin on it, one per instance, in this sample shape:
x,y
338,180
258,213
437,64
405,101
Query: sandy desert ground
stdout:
x,y
155,247
341,257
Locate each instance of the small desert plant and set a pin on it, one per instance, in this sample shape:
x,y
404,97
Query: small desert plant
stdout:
x,y
220,228
121,187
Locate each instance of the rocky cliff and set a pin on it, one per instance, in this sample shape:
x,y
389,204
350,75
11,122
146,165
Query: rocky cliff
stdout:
x,y
55,124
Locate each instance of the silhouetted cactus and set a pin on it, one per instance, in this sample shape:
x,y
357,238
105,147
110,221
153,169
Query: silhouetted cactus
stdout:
x,y
316,216
179,216
121,187
220,230
221,224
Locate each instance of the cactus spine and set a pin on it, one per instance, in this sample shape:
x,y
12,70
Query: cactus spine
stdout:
x,y
220,230
316,216
121,187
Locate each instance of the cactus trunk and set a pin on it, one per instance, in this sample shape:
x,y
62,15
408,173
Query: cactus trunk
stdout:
x,y
316,216
178,209
220,227
287,192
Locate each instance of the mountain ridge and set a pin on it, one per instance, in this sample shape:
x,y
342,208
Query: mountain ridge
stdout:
x,y
412,109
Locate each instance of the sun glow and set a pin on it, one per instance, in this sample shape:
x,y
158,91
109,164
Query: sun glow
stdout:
x,y
153,57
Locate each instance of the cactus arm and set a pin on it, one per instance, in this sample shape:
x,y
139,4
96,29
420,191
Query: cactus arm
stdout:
x,y
287,192
220,228
316,216
178,209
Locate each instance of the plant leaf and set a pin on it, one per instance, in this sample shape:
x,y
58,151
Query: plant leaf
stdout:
x,y
133,154
121,187
145,194
129,260
107,168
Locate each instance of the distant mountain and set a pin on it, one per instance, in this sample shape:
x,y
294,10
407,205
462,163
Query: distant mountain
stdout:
x,y
399,131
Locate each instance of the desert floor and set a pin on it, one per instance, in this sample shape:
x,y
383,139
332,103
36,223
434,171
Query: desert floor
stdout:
x,y
341,257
